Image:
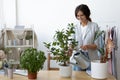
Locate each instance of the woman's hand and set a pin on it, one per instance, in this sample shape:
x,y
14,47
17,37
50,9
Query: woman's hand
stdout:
x,y
85,47
91,46
70,50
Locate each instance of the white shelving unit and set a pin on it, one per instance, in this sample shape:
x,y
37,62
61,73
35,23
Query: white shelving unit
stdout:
x,y
15,38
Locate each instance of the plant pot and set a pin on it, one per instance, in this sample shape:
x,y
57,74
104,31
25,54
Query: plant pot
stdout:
x,y
65,71
32,75
99,70
10,73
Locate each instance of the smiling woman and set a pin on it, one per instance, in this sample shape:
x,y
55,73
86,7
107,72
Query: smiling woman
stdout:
x,y
84,33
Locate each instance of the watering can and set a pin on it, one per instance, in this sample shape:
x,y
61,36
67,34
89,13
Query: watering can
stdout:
x,y
80,58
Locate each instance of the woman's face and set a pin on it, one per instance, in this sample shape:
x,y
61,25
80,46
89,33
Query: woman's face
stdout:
x,y
81,17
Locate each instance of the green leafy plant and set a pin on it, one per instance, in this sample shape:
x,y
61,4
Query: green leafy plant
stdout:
x,y
32,60
28,35
62,44
10,64
6,50
102,49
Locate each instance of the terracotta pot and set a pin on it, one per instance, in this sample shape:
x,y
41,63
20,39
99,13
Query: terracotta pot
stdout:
x,y
32,75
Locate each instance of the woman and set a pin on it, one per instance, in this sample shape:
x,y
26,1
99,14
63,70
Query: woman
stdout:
x,y
84,33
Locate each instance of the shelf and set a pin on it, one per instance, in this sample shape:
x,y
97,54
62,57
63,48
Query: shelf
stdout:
x,y
26,29
17,46
12,40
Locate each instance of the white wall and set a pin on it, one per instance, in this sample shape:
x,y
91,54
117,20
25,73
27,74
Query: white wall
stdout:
x,y
49,15
1,14
9,13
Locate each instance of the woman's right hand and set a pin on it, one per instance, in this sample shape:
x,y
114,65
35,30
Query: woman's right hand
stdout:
x,y
85,47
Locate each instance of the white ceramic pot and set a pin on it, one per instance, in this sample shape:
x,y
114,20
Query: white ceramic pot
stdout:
x,y
99,70
65,71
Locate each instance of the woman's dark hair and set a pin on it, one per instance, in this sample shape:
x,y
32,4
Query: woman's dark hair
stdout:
x,y
85,9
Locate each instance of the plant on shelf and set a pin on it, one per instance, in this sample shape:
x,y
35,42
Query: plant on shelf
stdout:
x,y
33,61
60,47
28,35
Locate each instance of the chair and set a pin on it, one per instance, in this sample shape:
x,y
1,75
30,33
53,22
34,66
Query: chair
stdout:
x,y
49,61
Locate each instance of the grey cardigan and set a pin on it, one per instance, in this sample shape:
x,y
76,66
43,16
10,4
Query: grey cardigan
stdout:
x,y
88,39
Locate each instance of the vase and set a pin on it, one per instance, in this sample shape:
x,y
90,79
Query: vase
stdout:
x,y
99,70
10,73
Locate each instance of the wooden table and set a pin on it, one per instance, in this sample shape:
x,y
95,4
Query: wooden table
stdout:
x,y
54,75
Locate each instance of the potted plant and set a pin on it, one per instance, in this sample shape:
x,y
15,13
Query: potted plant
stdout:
x,y
62,47
99,68
33,61
28,37
10,68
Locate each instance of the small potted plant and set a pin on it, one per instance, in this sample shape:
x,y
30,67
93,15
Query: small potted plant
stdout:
x,y
33,61
10,68
99,68
61,48
28,38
